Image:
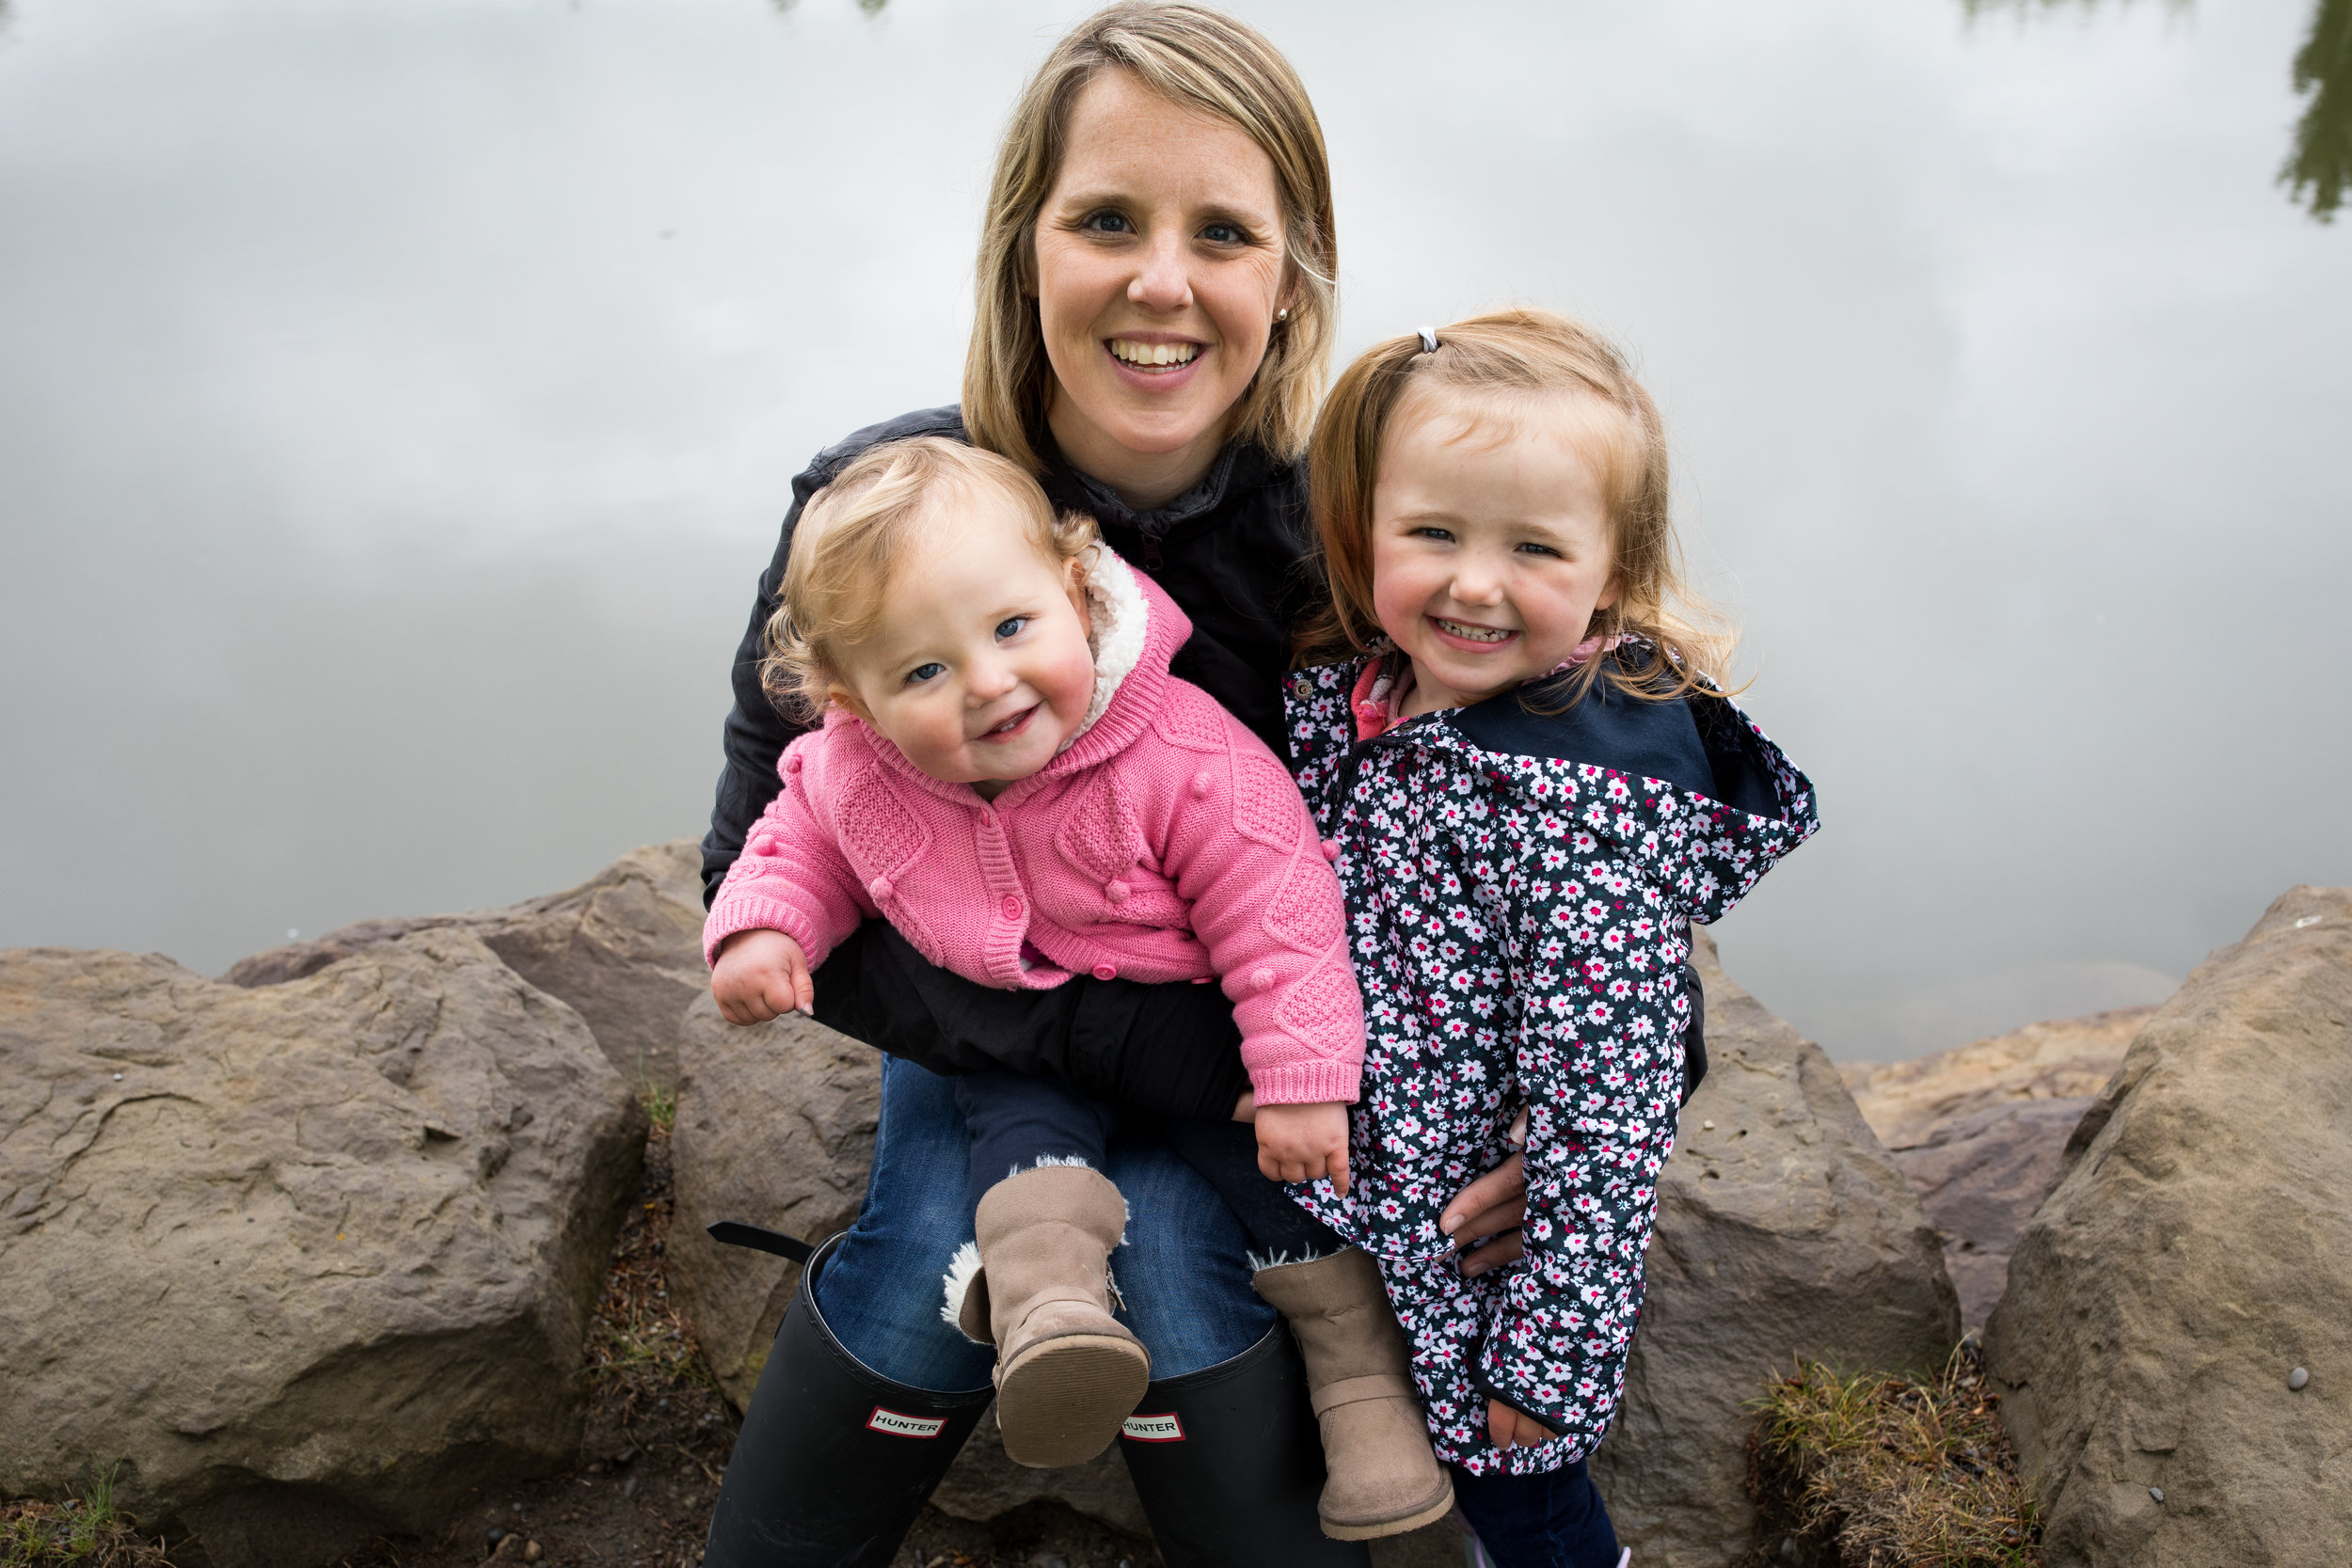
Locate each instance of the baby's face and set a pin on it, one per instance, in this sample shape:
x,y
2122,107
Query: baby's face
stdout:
x,y
979,668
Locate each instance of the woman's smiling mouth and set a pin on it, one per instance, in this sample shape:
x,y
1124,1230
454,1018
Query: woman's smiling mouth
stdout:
x,y
1152,358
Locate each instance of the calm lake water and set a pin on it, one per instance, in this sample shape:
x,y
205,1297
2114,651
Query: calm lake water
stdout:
x,y
397,400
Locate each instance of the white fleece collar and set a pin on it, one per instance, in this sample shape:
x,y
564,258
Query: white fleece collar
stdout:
x,y
1115,603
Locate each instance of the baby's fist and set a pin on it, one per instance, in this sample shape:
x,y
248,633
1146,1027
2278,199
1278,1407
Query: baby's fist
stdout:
x,y
759,975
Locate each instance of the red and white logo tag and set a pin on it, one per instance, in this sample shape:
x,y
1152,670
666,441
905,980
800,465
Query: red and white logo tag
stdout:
x,y
898,1425
1153,1429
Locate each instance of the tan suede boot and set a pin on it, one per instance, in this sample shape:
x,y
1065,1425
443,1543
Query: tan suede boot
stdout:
x,y
1067,1371
1383,1479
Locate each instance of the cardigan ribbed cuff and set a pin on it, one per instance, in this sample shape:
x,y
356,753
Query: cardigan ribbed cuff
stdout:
x,y
1309,1082
756,912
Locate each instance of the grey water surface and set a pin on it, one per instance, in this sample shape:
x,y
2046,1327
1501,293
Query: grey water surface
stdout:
x,y
398,397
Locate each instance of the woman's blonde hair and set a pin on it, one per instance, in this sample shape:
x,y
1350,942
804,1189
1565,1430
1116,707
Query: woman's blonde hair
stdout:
x,y
858,533
1683,642
1201,60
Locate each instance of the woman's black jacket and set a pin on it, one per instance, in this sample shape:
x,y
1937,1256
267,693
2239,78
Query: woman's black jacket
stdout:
x,y
1233,552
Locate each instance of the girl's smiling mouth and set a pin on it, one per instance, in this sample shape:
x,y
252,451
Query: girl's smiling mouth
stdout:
x,y
1468,635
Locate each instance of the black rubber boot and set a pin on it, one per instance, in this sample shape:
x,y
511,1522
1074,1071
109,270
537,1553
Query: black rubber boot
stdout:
x,y
1229,1463
834,1460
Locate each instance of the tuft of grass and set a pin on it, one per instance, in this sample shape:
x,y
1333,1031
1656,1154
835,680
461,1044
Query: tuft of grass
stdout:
x,y
661,1105
637,1344
1872,1471
88,1531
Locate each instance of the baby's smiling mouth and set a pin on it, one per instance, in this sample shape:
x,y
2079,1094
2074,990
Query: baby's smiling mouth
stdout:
x,y
1011,726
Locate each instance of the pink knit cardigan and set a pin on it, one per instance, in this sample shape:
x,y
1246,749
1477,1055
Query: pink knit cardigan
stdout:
x,y
1165,844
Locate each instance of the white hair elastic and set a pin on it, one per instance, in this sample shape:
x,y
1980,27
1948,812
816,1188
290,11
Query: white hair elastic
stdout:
x,y
1429,340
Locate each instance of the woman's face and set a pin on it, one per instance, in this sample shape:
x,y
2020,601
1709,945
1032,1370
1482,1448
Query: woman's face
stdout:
x,y
1159,268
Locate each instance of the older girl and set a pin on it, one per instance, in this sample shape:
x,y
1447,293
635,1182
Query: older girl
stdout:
x,y
1538,787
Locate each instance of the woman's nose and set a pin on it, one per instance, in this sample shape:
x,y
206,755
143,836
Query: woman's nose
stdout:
x,y
1163,281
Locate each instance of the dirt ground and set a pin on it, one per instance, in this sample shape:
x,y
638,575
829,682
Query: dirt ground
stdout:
x,y
656,1441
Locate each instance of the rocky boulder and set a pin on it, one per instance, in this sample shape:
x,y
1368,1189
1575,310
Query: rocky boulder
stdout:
x,y
310,1262
1784,1231
1979,1130
623,948
2195,1253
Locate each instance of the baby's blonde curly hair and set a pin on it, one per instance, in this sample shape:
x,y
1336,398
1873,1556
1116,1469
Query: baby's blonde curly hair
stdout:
x,y
862,530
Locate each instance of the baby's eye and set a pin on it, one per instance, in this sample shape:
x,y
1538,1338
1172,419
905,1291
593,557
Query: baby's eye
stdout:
x,y
922,672
1011,627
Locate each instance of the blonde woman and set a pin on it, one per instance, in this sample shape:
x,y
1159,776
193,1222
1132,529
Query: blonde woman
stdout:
x,y
1154,323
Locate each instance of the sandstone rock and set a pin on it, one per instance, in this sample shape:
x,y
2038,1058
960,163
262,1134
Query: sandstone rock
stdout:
x,y
2069,1058
1784,1231
623,948
2195,1249
309,1261
1978,1132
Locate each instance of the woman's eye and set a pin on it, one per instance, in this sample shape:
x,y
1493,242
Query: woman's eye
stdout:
x,y
922,672
1224,233
1011,627
1107,223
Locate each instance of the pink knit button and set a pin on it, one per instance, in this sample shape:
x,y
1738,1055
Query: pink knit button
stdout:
x,y
764,845
882,889
1106,971
1202,784
794,762
1330,848
1012,905
1262,979
1115,891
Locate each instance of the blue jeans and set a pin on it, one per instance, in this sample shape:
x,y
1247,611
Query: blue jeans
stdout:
x,y
1552,1520
1181,1267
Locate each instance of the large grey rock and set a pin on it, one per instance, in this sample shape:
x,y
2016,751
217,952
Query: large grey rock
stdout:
x,y
623,948
310,1261
2068,1058
2196,1250
1784,1231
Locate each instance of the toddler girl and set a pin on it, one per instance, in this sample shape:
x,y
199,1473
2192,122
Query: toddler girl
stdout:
x,y
1537,786
1009,774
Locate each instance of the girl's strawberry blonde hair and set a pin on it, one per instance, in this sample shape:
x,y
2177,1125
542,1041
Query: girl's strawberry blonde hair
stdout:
x,y
858,533
1677,642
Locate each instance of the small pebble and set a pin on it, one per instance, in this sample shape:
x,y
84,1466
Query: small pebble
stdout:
x,y
1789,1549
2157,1492
118,1078
495,1535
532,1552
1707,1126
2298,1378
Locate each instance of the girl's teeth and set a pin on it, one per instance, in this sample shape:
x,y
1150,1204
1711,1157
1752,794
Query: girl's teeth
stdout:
x,y
1476,634
1154,354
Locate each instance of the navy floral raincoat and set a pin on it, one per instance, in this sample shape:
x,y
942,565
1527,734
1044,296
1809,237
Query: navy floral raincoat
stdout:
x,y
1520,888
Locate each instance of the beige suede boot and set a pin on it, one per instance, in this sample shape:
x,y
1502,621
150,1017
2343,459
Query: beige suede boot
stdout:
x,y
1067,1371
1383,1479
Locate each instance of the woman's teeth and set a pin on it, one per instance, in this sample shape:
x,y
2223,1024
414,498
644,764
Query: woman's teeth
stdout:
x,y
1474,634
1154,354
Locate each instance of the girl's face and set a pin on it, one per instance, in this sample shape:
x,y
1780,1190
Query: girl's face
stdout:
x,y
1490,547
979,667
1159,268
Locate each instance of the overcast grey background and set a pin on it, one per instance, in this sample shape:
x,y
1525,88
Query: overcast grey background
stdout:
x,y
397,400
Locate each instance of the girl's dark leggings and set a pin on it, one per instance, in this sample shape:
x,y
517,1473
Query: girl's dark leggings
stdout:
x,y
1553,1520
1017,1119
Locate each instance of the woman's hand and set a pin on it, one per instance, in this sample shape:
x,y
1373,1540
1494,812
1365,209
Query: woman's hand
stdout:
x,y
1298,1143
1509,1428
759,975
1484,1218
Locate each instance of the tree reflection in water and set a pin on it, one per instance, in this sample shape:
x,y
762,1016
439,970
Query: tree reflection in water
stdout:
x,y
2320,165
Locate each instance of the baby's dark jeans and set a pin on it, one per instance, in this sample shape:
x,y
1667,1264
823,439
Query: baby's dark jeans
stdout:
x,y
1017,1121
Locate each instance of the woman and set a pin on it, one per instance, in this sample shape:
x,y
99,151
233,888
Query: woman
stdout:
x,y
1155,319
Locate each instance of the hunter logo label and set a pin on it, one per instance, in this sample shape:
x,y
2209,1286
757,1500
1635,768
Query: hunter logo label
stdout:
x,y
904,1426
1153,1429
